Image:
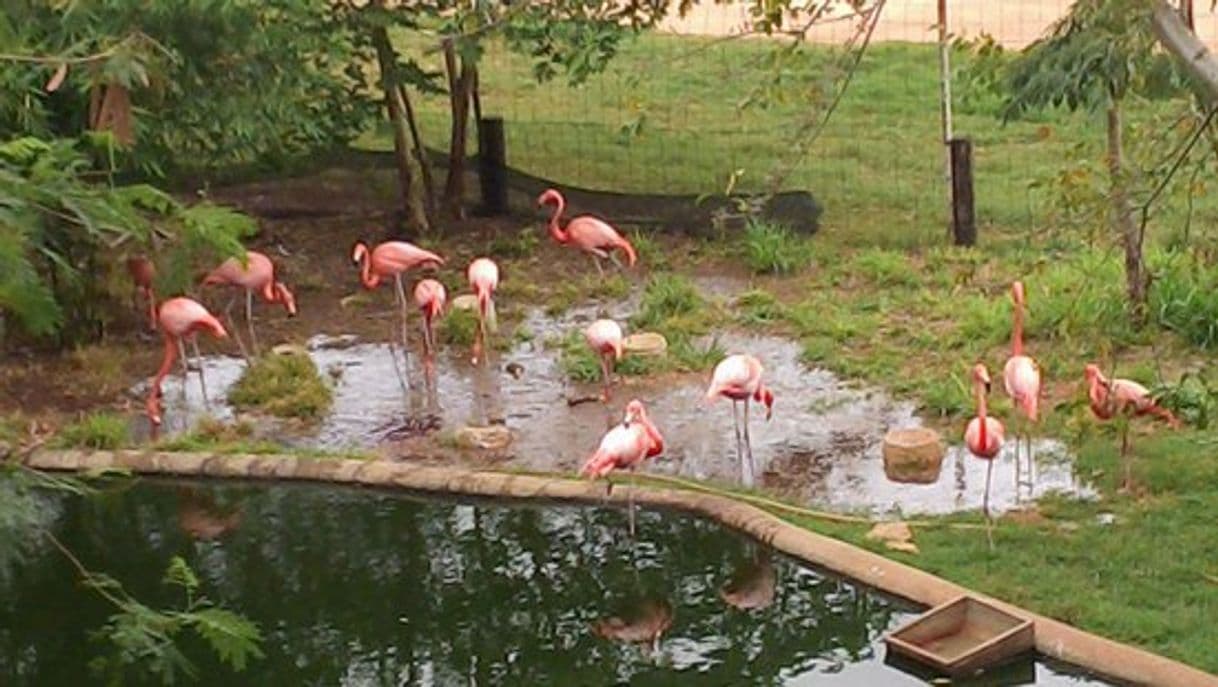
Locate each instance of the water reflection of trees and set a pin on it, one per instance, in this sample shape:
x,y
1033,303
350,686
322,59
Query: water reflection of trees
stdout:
x,y
359,587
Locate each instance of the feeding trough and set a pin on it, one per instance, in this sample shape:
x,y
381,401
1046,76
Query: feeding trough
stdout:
x,y
913,455
646,344
963,636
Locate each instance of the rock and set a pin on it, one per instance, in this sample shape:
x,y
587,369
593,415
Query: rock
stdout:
x,y
895,535
290,349
913,455
466,301
327,342
646,344
493,438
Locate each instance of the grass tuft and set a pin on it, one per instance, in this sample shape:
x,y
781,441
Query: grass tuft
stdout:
x,y
774,248
283,386
104,431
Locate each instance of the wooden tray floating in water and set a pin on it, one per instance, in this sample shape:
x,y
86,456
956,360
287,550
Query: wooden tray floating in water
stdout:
x,y
963,636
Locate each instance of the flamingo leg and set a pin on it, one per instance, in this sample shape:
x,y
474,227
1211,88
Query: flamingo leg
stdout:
x,y
985,504
1018,471
739,440
750,474
249,320
630,504
606,379
393,355
232,327
185,366
194,344
600,271
615,261
1127,484
401,296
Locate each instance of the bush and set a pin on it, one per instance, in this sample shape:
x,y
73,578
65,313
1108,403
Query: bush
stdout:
x,y
1183,300
774,248
103,431
282,385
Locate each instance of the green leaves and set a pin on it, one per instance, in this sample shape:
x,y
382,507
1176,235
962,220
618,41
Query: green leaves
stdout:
x,y
233,637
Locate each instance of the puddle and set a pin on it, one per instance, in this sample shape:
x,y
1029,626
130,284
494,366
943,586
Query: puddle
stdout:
x,y
822,446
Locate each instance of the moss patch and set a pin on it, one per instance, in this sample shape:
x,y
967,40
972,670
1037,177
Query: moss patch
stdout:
x,y
283,386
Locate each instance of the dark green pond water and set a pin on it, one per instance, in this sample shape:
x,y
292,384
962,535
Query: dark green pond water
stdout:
x,y
356,587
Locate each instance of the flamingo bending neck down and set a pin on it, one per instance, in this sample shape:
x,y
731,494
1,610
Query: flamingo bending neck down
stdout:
x,y
593,236
983,437
738,377
625,447
180,318
392,259
429,296
604,337
258,275
483,276
143,273
1109,398
1021,379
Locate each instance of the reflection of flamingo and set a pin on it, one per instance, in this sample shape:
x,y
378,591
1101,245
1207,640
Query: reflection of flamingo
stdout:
x,y
179,318
483,276
604,337
1111,397
752,587
143,273
429,296
738,377
983,436
258,274
625,446
643,623
200,517
591,235
392,259
1021,378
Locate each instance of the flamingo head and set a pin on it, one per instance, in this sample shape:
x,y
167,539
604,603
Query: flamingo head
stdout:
x,y
549,197
359,252
284,295
635,412
1094,376
765,396
981,376
153,408
619,349
1017,293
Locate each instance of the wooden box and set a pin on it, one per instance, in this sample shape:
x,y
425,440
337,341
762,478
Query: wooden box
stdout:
x,y
963,636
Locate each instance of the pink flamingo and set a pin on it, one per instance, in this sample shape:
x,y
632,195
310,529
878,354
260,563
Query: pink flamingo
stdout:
x,y
604,337
392,259
1021,378
591,235
1111,397
625,447
180,318
143,273
483,276
258,274
429,296
983,437
738,377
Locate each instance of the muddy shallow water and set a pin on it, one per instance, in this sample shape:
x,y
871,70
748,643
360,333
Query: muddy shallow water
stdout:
x,y
822,446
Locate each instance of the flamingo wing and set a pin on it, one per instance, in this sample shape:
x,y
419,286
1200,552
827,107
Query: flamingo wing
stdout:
x,y
598,237
621,447
395,257
1021,377
994,432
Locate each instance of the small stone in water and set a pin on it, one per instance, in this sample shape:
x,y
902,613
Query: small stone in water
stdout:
x,y
466,301
289,349
1106,519
645,343
493,438
325,341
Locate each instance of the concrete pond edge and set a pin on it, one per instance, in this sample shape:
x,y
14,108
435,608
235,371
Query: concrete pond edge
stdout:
x,y
1054,639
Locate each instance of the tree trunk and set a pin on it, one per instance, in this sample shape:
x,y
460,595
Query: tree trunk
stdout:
x,y
1136,278
412,204
460,82
429,185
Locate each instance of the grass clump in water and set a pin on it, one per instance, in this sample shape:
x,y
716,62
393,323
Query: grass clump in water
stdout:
x,y
283,386
581,364
774,248
102,430
457,328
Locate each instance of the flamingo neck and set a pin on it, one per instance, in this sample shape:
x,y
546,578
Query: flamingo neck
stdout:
x,y
982,437
1017,331
268,291
555,229
366,277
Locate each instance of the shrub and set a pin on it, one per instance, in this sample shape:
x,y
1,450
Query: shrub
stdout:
x,y
282,385
774,248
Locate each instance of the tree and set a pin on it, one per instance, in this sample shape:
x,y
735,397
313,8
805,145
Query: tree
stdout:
x,y
1094,58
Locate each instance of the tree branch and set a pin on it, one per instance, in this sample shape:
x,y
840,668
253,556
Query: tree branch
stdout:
x,y
1174,34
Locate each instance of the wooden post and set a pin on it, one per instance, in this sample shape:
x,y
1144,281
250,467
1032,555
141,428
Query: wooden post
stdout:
x,y
964,219
945,107
492,166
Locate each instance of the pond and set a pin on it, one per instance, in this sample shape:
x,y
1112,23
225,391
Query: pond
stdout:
x,y
363,587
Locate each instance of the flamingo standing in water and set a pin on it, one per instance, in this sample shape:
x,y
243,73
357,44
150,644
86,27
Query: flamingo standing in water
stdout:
x,y
392,259
738,377
591,235
604,337
143,273
258,274
625,447
180,318
429,296
983,437
1111,397
1021,378
483,276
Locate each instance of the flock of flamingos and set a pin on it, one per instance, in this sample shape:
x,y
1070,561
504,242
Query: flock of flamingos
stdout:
x,y
626,445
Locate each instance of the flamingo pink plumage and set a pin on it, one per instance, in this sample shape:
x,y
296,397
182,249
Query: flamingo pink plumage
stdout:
x,y
1109,398
179,318
604,337
983,435
625,447
590,234
483,276
738,377
429,296
257,275
1021,379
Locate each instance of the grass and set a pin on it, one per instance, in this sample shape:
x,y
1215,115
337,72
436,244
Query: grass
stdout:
x,y
774,248
101,430
283,386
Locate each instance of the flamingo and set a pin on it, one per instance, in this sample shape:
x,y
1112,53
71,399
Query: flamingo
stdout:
x,y
626,446
591,235
483,276
1110,397
258,274
738,377
1021,378
143,273
429,296
392,259
983,437
180,318
604,337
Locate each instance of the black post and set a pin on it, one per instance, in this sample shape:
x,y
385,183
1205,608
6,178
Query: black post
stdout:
x,y
492,166
964,219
